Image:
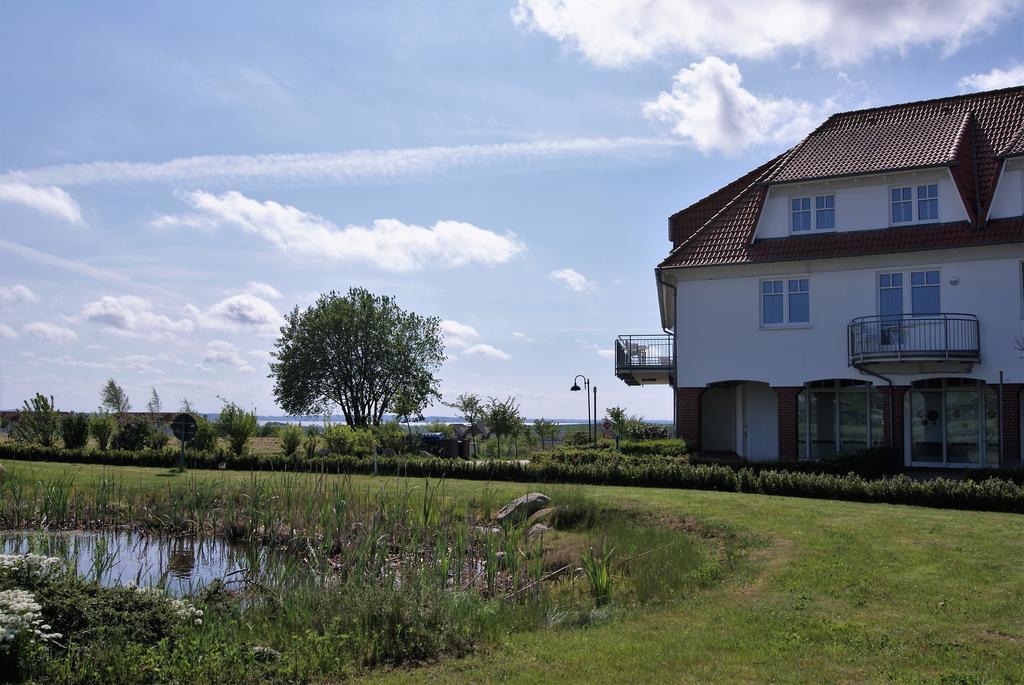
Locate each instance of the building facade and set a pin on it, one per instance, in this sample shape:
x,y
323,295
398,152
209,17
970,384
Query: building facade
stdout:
x,y
865,288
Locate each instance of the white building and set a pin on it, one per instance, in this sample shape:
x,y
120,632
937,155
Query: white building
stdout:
x,y
865,288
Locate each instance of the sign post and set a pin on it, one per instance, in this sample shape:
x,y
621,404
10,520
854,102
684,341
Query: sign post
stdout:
x,y
184,427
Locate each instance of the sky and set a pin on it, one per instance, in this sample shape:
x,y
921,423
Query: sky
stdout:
x,y
176,176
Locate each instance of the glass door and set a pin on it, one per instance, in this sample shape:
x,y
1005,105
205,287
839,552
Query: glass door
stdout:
x,y
890,309
926,426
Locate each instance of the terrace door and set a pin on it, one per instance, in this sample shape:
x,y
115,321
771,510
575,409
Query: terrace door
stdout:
x,y
890,311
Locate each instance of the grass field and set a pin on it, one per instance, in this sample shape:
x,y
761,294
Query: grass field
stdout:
x,y
828,592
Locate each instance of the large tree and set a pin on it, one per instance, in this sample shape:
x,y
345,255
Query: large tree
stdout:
x,y
355,352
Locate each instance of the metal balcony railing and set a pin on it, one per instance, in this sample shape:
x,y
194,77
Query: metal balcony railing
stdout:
x,y
639,352
914,338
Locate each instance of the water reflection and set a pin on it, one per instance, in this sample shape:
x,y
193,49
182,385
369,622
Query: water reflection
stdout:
x,y
179,565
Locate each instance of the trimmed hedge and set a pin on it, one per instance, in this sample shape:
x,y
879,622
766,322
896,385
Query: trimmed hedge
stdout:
x,y
992,494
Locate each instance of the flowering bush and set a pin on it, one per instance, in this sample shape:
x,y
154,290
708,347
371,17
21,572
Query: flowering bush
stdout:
x,y
21,618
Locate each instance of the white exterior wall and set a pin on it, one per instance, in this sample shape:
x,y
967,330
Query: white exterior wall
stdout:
x,y
862,202
719,338
1008,200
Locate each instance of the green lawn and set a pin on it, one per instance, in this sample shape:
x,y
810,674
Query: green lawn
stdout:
x,y
830,592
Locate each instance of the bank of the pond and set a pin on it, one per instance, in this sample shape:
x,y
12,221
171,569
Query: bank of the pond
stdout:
x,y
393,573
993,494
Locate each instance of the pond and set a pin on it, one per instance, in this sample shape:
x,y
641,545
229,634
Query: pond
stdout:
x,y
178,565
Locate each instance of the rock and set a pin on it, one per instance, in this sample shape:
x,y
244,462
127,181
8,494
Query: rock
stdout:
x,y
541,515
521,507
486,530
536,530
265,653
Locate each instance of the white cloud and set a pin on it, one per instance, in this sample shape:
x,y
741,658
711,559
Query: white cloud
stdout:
x,y
239,312
519,335
616,33
7,332
17,294
65,360
48,200
458,334
132,316
264,290
996,78
141,362
573,280
50,331
323,167
486,350
389,244
223,352
710,108
605,353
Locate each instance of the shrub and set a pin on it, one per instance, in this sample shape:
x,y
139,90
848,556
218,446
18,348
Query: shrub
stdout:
x,y
205,439
159,437
667,447
237,425
101,427
640,430
390,436
74,430
440,427
291,437
272,429
134,435
990,494
342,439
577,439
38,422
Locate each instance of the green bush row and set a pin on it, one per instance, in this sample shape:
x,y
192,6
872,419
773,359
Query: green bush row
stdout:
x,y
994,494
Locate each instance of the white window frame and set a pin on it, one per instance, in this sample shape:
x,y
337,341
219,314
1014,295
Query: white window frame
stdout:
x,y
812,213
908,287
785,302
915,214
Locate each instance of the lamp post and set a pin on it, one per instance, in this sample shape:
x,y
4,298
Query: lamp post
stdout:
x,y
595,415
576,388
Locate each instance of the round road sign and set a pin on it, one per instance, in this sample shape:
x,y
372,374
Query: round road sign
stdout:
x,y
184,427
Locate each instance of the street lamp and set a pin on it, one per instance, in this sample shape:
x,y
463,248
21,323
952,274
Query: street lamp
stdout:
x,y
576,388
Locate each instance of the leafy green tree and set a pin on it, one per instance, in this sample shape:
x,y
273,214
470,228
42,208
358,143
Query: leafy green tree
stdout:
x,y
155,406
74,430
186,407
101,427
237,425
502,417
471,409
546,430
133,435
355,352
114,399
407,407
291,438
38,422
620,420
205,439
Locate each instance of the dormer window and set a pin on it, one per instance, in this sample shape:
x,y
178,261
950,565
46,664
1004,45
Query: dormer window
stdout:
x,y
825,212
902,205
801,221
928,202
822,218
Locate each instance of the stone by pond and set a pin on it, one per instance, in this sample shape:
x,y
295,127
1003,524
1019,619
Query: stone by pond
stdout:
x,y
178,565
521,507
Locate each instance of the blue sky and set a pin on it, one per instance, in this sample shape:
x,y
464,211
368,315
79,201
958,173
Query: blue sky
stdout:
x,y
176,176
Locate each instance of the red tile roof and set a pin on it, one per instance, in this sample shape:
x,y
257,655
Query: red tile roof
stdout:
x,y
967,133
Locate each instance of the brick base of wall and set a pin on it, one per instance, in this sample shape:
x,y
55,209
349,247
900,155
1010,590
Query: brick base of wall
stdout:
x,y
1010,455
688,414
789,423
893,420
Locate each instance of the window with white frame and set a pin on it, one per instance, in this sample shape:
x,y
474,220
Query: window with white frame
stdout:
x,y
924,292
785,302
804,218
825,212
800,221
928,202
902,205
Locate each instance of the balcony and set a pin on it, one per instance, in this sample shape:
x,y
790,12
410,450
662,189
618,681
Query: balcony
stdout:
x,y
645,359
915,344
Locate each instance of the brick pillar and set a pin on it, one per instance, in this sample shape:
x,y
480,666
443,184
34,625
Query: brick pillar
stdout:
x,y
1010,450
893,421
789,423
688,414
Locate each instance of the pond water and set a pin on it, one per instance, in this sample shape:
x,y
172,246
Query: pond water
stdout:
x,y
178,565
